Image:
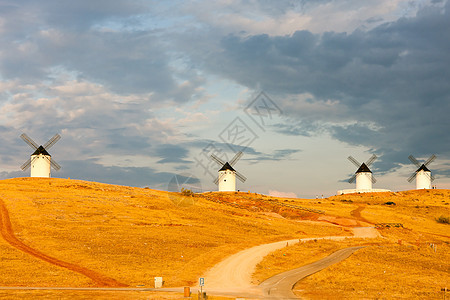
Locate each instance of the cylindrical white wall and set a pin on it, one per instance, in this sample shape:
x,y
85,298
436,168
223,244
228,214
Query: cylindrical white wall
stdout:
x,y
40,166
227,181
423,180
364,181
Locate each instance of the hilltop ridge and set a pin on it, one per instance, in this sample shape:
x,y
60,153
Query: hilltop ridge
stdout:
x,y
66,232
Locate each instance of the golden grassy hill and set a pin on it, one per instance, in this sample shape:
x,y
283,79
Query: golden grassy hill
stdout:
x,y
129,235
409,262
87,234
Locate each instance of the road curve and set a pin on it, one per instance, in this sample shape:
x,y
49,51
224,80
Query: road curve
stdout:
x,y
280,286
232,276
235,272
9,236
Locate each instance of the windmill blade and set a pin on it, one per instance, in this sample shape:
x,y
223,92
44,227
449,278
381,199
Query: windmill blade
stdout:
x,y
216,181
372,178
240,176
55,165
430,160
26,165
414,161
411,178
354,161
29,141
432,177
217,160
352,179
371,160
51,141
236,158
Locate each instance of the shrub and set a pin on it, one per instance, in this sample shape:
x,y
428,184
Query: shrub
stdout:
x,y
389,203
443,220
187,192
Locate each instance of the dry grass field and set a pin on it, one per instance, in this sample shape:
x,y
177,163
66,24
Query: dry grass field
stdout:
x,y
84,234
61,232
412,262
100,295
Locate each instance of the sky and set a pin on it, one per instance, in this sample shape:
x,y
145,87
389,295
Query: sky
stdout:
x,y
143,92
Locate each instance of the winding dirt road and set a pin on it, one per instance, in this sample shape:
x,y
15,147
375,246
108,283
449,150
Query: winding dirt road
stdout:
x,y
232,276
235,272
280,286
9,236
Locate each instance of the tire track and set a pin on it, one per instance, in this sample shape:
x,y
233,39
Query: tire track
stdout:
x,y
356,213
9,236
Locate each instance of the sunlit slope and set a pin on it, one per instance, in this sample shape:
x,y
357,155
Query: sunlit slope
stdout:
x,y
128,234
416,209
409,262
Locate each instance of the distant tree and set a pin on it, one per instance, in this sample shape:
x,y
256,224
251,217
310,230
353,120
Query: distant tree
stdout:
x,y
443,220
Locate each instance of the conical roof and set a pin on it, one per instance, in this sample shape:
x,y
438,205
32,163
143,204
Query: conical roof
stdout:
x,y
423,168
41,150
363,169
227,166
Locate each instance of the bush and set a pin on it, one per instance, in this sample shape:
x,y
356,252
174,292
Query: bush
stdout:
x,y
443,220
389,203
187,192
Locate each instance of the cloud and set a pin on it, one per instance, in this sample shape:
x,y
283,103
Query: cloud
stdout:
x,y
385,88
171,154
96,42
135,176
247,17
277,155
123,82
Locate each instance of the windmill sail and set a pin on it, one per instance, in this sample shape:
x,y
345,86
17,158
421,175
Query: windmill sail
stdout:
x,y
40,159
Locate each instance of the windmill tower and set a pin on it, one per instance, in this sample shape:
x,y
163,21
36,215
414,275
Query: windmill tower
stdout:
x,y
363,176
227,175
40,160
422,174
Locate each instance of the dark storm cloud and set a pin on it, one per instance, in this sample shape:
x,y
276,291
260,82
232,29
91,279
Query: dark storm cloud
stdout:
x,y
121,140
8,145
67,35
277,155
68,14
391,81
84,14
249,153
355,134
171,154
304,128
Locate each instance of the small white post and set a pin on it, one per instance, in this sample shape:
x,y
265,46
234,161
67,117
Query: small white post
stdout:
x,y
158,282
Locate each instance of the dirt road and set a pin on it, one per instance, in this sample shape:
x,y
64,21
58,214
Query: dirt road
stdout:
x,y
232,276
235,272
9,236
280,286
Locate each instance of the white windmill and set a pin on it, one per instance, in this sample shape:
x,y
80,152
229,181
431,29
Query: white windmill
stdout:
x,y
227,175
363,176
422,174
40,160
